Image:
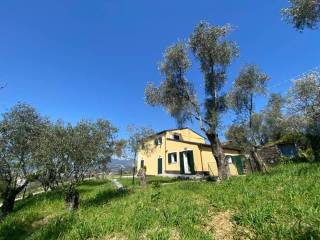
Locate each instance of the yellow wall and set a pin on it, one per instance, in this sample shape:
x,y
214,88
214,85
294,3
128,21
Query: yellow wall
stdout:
x,y
151,156
210,164
186,135
203,158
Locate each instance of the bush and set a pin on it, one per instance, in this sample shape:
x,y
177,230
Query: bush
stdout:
x,y
306,155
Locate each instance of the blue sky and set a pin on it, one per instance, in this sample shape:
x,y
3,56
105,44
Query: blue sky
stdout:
x,y
92,59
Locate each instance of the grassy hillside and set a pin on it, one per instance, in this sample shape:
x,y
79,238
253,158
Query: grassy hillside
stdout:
x,y
282,205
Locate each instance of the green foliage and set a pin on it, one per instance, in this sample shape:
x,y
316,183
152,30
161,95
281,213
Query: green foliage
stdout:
x,y
304,102
155,195
274,122
137,140
68,153
2,188
20,128
282,205
306,155
175,92
237,133
248,84
304,108
215,53
303,13
33,148
244,136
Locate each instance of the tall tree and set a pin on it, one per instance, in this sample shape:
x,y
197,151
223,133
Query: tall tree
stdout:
x,y
250,82
304,104
19,131
303,13
176,94
237,134
273,117
137,142
240,134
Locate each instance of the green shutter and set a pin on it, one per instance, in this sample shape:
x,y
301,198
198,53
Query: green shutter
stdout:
x,y
237,161
191,162
181,162
169,157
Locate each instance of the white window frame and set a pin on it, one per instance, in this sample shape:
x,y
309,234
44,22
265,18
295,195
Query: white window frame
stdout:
x,y
171,154
176,135
158,141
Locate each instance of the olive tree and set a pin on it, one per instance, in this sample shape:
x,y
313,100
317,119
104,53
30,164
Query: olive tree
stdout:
x,y
176,94
237,134
20,129
89,145
304,104
49,155
273,118
302,13
250,82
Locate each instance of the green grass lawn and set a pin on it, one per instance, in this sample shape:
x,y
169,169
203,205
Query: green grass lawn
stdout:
x,y
282,205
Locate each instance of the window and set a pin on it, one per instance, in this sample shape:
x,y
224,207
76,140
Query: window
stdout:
x,y
229,159
172,157
176,136
142,163
158,141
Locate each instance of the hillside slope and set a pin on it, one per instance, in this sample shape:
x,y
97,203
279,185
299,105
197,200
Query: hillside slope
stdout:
x,y
282,205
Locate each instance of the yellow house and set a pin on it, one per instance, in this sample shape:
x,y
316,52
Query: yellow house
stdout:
x,y
183,151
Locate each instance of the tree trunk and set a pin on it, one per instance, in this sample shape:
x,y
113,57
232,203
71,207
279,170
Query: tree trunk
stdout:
x,y
142,174
133,167
10,195
72,198
261,166
217,151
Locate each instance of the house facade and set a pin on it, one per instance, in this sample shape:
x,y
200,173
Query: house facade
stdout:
x,y
183,151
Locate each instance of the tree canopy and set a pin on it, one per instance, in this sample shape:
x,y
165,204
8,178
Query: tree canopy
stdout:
x,y
303,13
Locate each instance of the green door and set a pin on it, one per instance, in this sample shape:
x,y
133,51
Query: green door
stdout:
x,y
159,165
190,162
237,161
181,163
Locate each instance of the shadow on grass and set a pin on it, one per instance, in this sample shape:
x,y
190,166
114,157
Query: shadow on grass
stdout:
x,y
92,183
32,200
171,180
55,194
104,197
56,228
13,228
